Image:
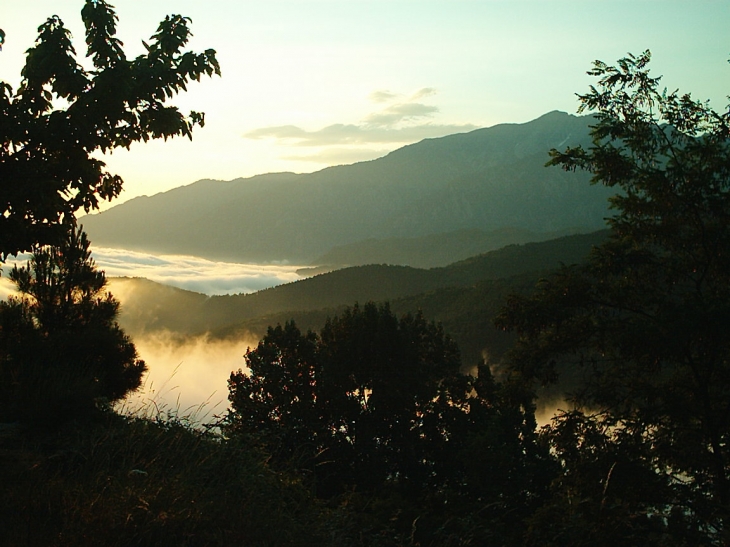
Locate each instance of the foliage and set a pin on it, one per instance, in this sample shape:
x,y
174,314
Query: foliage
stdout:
x,y
62,115
361,402
644,321
153,481
61,351
375,413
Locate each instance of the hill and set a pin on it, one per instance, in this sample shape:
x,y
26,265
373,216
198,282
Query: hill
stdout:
x,y
464,296
488,179
430,251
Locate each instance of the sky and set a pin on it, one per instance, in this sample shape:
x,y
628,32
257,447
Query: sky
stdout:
x,y
312,83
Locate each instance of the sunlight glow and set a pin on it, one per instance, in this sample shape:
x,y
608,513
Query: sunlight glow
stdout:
x,y
348,79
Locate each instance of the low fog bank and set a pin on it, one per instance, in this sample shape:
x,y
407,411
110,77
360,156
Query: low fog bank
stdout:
x,y
6,287
193,273
187,374
187,377
190,273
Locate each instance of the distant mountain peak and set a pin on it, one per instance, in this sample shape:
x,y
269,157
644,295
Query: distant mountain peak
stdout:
x,y
484,179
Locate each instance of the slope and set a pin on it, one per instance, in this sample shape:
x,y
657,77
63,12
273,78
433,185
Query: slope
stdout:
x,y
464,296
487,179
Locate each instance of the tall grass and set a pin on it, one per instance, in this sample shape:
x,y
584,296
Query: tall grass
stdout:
x,y
149,478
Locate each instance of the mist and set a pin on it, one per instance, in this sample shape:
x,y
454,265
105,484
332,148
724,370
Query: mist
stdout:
x,y
194,273
6,287
186,377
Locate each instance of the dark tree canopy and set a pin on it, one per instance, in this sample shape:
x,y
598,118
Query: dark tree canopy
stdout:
x,y
644,322
62,354
368,399
53,126
376,405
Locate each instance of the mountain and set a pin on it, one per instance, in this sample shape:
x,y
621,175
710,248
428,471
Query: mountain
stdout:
x,y
430,251
488,179
464,296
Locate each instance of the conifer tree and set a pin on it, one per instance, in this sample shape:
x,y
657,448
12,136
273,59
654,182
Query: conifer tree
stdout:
x,y
62,353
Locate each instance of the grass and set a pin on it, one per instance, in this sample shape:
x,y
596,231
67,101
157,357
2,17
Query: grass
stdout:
x,y
146,480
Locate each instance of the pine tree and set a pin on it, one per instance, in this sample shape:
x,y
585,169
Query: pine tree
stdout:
x,y
62,353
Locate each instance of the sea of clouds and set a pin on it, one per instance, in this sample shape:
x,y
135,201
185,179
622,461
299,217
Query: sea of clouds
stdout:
x,y
186,375
193,273
184,272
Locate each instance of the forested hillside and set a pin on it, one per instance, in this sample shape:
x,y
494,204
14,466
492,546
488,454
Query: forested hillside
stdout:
x,y
464,295
428,251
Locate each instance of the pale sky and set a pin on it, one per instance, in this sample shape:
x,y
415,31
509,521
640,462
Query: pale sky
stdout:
x,y
312,83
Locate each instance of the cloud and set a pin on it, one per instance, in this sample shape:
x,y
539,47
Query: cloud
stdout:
x,y
186,376
423,92
184,272
337,155
381,96
193,273
6,287
385,95
400,112
402,120
277,132
340,134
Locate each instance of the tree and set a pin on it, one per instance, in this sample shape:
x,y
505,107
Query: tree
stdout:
x,y
62,115
375,409
62,354
368,400
644,320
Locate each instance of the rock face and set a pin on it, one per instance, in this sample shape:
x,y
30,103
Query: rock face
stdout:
x,y
487,179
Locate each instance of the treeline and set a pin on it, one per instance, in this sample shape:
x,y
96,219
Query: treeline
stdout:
x,y
463,296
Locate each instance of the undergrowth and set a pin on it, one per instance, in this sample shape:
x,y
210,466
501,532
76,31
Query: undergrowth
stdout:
x,y
147,480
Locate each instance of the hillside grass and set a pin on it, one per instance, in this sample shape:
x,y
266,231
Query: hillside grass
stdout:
x,y
146,480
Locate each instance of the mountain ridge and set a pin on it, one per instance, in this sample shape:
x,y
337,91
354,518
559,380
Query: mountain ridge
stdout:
x,y
486,179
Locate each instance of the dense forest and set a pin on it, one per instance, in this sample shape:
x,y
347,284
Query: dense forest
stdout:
x,y
370,427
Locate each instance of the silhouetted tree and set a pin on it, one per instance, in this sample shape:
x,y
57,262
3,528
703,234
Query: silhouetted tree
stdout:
x,y
368,400
62,354
54,125
645,323
376,405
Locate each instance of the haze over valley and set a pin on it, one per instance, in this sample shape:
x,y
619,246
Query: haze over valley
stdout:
x,y
402,228
192,341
